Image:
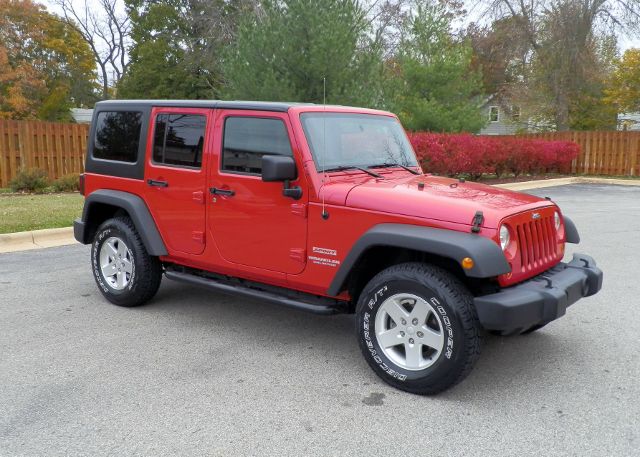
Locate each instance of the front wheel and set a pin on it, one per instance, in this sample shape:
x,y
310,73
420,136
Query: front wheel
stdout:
x,y
418,328
123,269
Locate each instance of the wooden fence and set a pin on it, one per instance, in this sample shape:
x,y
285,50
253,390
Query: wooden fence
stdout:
x,y
56,148
602,152
59,149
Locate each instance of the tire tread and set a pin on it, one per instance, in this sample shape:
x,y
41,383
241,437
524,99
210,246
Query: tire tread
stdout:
x,y
450,288
149,267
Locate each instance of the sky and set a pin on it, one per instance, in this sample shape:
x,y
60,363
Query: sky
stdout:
x,y
628,42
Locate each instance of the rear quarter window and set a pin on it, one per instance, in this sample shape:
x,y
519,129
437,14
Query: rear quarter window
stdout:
x,y
117,135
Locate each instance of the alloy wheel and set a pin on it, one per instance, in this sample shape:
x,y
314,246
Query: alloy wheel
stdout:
x,y
116,263
409,331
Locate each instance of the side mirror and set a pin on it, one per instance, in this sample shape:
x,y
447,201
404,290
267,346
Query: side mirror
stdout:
x,y
281,168
278,168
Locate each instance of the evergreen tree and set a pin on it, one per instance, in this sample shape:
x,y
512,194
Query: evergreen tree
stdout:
x,y
435,87
286,51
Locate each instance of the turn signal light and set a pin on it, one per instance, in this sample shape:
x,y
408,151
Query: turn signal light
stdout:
x,y
467,263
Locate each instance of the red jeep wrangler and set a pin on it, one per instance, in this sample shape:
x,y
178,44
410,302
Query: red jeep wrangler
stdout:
x,y
323,209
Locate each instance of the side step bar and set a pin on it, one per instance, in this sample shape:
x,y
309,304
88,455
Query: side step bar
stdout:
x,y
333,307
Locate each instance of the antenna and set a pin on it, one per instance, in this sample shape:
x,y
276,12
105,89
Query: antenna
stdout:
x,y
325,215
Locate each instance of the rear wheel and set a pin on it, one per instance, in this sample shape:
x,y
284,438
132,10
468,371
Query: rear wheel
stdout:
x,y
418,328
124,272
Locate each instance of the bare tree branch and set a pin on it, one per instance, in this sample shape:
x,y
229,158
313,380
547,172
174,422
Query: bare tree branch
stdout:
x,y
106,31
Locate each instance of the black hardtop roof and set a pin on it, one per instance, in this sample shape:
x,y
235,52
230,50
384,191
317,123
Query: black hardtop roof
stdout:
x,y
220,104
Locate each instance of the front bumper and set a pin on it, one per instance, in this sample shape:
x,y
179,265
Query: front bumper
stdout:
x,y
539,300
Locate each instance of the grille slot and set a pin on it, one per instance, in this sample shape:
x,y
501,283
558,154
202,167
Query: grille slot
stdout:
x,y
536,242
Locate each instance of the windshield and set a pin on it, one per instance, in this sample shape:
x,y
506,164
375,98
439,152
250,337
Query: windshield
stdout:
x,y
340,140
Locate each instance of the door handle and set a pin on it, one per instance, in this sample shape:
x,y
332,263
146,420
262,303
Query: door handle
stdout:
x,y
224,192
155,183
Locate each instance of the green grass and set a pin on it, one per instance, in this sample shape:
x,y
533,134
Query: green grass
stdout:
x,y
19,213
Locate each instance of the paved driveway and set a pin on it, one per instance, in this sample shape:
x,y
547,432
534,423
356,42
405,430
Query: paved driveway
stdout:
x,y
198,373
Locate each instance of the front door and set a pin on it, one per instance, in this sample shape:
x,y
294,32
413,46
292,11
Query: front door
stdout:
x,y
176,176
252,222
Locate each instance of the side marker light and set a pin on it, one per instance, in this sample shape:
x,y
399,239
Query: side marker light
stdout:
x,y
467,263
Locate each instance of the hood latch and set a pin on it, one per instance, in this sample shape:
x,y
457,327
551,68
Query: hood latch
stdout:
x,y
477,221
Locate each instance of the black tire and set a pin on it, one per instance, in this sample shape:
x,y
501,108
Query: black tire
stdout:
x,y
146,270
458,321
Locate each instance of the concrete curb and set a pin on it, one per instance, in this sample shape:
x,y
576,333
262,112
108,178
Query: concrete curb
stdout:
x,y
36,239
539,184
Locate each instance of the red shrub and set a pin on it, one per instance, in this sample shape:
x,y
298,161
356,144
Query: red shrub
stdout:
x,y
456,154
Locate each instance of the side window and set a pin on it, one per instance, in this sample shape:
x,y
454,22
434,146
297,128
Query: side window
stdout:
x,y
117,135
494,114
247,139
178,139
515,113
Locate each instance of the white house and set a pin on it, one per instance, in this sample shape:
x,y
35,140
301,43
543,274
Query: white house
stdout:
x,y
502,118
629,121
82,115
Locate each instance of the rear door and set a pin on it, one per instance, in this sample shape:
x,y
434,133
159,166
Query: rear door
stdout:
x,y
252,222
175,175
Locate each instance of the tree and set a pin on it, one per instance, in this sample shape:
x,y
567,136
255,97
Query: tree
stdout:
x,y
500,54
106,31
21,88
436,87
623,88
563,37
570,66
177,47
291,47
45,67
561,87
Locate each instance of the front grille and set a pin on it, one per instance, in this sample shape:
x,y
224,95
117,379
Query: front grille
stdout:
x,y
537,242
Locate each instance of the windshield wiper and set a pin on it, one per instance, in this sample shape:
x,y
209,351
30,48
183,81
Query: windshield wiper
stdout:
x,y
393,164
354,167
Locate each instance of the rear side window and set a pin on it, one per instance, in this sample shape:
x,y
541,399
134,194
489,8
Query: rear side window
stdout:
x,y
247,139
117,135
179,139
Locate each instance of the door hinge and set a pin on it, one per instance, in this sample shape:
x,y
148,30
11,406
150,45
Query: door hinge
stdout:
x,y
198,236
299,209
298,254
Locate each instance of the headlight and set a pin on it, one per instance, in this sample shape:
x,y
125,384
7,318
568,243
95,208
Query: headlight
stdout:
x,y
504,237
556,220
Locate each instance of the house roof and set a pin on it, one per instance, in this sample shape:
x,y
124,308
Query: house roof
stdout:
x,y
82,115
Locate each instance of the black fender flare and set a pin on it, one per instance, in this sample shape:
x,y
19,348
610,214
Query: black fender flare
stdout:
x,y
489,260
570,231
137,210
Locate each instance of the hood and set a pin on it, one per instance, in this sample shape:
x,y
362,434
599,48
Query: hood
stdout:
x,y
438,198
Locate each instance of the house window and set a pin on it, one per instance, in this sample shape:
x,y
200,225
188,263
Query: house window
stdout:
x,y
515,113
494,114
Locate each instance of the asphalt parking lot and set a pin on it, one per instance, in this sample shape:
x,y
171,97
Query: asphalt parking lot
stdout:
x,y
200,373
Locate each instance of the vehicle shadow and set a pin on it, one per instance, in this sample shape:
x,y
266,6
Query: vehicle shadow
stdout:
x,y
514,365
508,365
